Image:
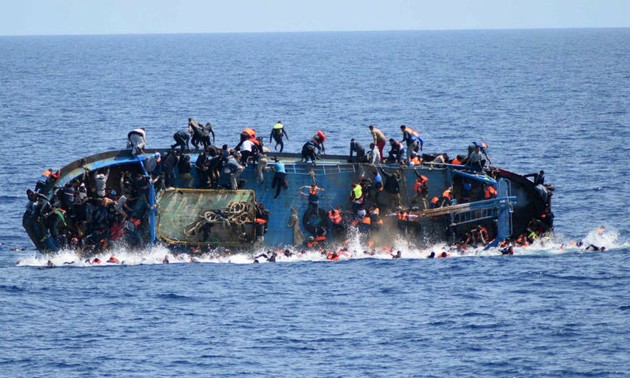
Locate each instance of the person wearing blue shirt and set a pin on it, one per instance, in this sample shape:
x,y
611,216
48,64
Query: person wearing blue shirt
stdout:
x,y
280,177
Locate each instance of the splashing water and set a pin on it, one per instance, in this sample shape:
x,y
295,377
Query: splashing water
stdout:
x,y
353,250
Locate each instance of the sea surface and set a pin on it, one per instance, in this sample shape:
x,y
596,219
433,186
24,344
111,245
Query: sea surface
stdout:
x,y
557,100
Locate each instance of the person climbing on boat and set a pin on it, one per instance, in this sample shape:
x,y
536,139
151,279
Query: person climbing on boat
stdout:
x,y
313,194
182,138
421,190
396,152
480,150
412,139
280,177
137,141
278,133
379,139
199,134
359,150
309,153
373,157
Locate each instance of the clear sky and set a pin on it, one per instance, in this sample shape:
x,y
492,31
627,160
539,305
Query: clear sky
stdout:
x,y
44,17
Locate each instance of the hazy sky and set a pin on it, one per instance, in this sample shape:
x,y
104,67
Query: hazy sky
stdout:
x,y
41,17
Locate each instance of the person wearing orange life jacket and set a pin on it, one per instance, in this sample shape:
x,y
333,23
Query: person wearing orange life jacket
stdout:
x,y
412,139
403,221
481,234
313,194
47,177
335,216
489,192
457,160
447,197
376,221
421,190
435,203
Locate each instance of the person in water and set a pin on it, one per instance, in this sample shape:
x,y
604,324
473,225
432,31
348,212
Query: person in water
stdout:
x,y
278,133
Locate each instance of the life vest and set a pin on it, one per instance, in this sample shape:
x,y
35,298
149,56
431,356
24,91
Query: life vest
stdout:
x,y
334,216
251,132
320,238
483,233
403,215
136,222
416,160
321,136
456,161
278,126
435,200
367,220
332,256
411,131
357,192
448,194
261,221
443,255
489,192
419,185
312,191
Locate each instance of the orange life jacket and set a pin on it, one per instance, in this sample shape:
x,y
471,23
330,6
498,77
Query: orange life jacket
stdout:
x,y
367,220
435,200
250,132
321,135
411,131
419,183
320,238
416,160
489,192
403,215
334,216
261,221
456,161
448,194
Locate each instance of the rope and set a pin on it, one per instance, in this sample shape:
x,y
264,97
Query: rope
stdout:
x,y
236,213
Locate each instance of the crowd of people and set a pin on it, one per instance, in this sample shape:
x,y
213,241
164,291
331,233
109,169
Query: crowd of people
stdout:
x,y
87,214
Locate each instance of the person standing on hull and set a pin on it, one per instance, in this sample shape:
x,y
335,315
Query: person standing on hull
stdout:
x,y
278,133
181,140
356,147
137,141
316,142
412,139
379,139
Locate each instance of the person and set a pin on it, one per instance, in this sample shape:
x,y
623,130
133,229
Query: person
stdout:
x,y
207,130
232,171
181,138
412,139
183,169
313,194
489,192
396,255
431,255
595,248
447,197
247,134
475,160
199,135
137,141
100,181
202,168
277,134
379,139
248,148
356,197
153,164
338,225
373,157
47,177
392,188
280,177
356,147
421,190
396,152
539,178
308,152
169,165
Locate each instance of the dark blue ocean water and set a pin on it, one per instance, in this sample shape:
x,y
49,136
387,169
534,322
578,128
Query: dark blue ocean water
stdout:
x,y
556,100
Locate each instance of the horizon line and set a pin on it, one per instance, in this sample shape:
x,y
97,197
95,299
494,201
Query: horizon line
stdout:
x,y
317,31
